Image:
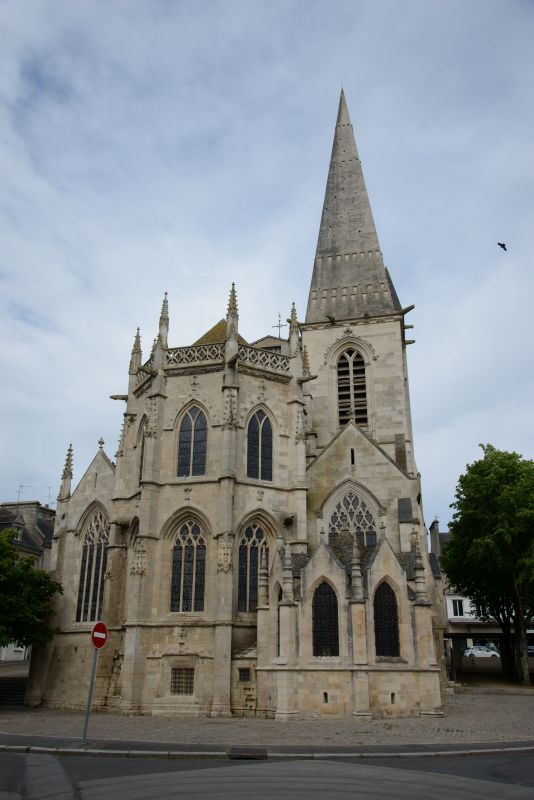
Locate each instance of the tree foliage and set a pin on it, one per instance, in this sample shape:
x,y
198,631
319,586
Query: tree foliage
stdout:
x,y
490,556
25,597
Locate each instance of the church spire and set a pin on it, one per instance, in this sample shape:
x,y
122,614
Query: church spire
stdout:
x,y
349,277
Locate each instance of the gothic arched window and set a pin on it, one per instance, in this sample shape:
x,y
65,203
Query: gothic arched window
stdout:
x,y
351,390
325,621
386,621
141,456
188,568
95,537
260,447
353,513
250,547
192,443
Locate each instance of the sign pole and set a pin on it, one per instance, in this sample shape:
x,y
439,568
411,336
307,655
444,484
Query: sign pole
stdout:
x,y
99,637
90,697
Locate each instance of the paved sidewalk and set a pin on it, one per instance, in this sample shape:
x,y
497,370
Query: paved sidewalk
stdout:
x,y
471,717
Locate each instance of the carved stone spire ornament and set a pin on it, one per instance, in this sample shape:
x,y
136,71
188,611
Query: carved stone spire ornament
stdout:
x,y
356,573
293,331
305,361
137,355
420,582
232,314
66,477
263,580
164,322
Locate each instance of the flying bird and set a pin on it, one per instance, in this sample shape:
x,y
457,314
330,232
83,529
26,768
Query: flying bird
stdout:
x,y
501,244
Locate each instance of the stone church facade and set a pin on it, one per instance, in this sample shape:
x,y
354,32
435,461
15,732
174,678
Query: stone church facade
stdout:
x,y
258,548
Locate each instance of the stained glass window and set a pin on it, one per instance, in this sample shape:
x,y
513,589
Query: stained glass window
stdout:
x,y
192,443
95,537
260,447
351,389
325,621
250,547
386,621
188,568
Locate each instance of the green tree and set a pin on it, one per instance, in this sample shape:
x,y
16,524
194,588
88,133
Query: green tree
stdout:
x,y
25,597
490,556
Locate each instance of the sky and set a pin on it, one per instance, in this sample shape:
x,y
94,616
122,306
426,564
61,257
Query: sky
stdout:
x,y
150,146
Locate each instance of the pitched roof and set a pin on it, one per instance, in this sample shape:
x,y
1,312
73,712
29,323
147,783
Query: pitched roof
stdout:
x,y
217,334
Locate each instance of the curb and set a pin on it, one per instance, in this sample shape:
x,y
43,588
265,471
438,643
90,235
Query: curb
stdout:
x,y
271,755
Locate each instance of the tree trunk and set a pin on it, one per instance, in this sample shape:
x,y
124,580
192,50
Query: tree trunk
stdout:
x,y
508,659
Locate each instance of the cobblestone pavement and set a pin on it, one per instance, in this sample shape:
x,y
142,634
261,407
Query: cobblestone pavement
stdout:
x,y
470,717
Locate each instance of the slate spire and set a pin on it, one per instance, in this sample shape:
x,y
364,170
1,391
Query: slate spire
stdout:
x,y
349,279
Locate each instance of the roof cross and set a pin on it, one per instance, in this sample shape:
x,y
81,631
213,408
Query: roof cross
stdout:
x,y
279,325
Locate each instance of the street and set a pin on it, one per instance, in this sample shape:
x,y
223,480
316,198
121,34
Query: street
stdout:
x,y
35,776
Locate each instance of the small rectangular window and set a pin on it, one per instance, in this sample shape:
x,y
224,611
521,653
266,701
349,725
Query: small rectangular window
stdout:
x,y
458,608
244,675
352,456
182,681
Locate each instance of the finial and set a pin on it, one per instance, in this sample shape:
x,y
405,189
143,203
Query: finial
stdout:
x,y
164,308
164,322
67,469
136,357
293,323
101,443
232,302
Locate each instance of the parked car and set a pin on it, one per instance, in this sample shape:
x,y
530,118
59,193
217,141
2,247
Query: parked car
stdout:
x,y
530,650
481,651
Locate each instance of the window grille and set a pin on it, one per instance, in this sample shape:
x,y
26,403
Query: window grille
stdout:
x,y
192,443
351,389
244,675
250,547
260,447
325,621
93,568
352,512
188,569
182,680
386,622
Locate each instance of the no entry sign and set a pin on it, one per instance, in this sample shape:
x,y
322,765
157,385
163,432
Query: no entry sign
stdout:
x,y
99,635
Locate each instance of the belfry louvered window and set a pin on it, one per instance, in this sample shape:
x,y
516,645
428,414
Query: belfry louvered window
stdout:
x,y
192,443
188,568
351,389
260,447
325,621
95,537
386,621
250,548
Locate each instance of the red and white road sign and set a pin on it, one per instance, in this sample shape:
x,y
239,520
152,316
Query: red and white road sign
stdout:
x,y
99,635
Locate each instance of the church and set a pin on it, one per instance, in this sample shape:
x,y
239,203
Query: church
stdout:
x,y
258,546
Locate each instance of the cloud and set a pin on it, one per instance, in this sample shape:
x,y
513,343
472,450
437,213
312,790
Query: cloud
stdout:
x,y
180,146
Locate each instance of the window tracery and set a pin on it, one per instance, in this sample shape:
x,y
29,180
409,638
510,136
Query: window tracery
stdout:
x,y
188,568
353,513
260,447
251,545
93,568
192,442
351,388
